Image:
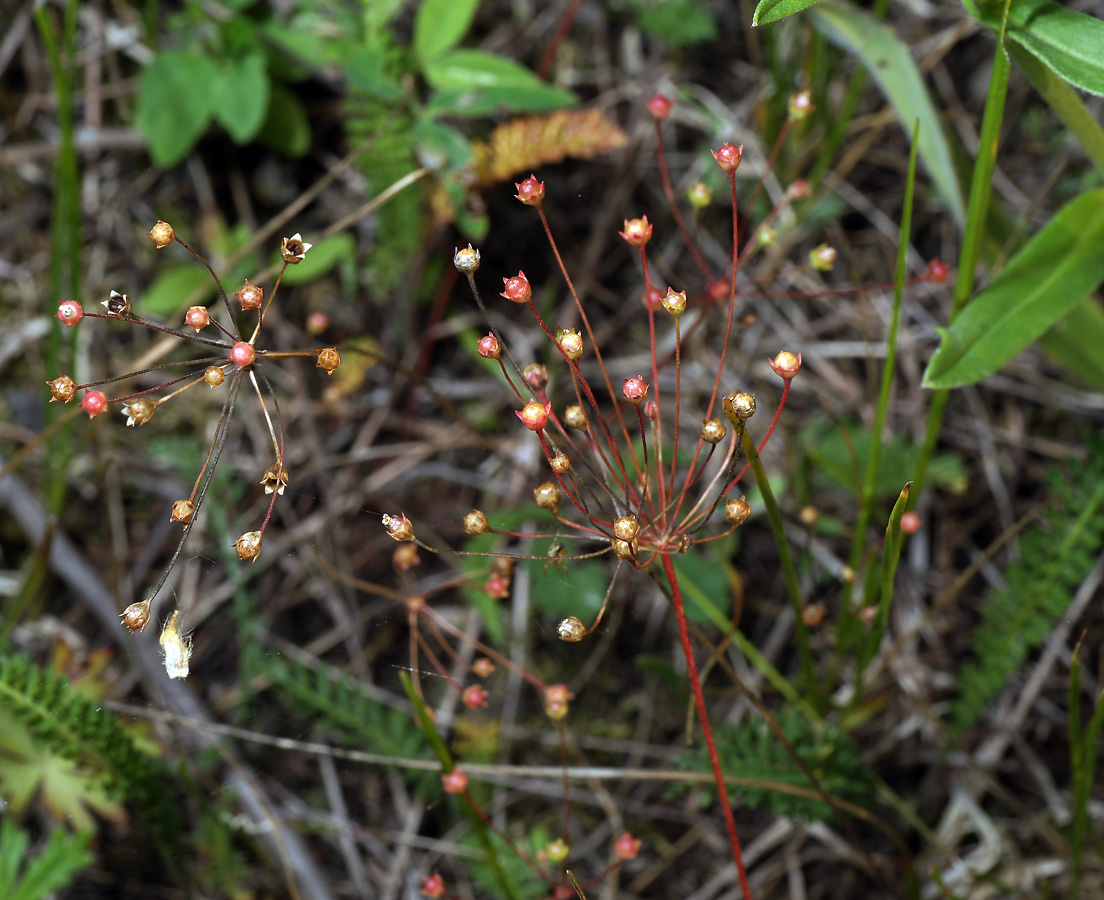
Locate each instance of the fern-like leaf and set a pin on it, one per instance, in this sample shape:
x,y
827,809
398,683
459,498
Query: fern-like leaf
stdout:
x,y
1055,556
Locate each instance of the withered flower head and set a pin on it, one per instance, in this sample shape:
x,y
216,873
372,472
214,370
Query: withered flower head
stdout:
x,y
293,250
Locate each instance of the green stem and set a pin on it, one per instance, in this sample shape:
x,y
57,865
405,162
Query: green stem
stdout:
x,y
789,572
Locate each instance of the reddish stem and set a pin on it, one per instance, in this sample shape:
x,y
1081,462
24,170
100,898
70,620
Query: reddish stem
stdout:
x,y
669,190
707,729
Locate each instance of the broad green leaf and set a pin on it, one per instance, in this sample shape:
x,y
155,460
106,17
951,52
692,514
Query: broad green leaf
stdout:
x,y
176,93
775,10
439,25
1075,342
470,69
1070,43
286,128
241,98
171,289
888,60
1048,278
441,146
474,102
681,23
321,257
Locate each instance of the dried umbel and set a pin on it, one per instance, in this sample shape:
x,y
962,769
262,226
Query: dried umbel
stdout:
x,y
136,616
398,527
571,630
328,360
476,522
248,546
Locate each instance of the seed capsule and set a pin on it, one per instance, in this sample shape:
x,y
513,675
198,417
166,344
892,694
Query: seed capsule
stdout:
x,y
136,616
476,522
399,527
713,431
737,511
162,234
182,511
571,630
249,545
328,360
548,496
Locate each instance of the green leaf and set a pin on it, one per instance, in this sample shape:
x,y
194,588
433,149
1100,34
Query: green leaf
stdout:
x,y
889,61
1075,342
473,102
441,146
364,69
471,69
1048,278
286,128
241,98
55,866
176,93
171,289
322,257
681,23
1070,43
769,11
439,25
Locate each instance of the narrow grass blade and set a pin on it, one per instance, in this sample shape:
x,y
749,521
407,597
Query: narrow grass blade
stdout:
x,y
888,59
891,555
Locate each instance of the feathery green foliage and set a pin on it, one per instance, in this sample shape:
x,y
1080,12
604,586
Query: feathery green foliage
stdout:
x,y
63,856
345,708
65,723
1055,556
752,751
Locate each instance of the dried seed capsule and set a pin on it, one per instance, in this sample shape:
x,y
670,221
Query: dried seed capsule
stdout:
x,y
530,191
328,360
197,317
556,701
117,304
136,616
250,296
575,417
737,511
713,431
94,403
405,557
739,407
812,614
242,354
728,157
275,479
249,545
483,667
637,231
682,543
548,496
571,343
466,260
139,410
399,527
571,630
786,365
517,288
176,646
624,549
293,250
626,528
536,376
162,234
70,312
560,464
476,522
214,376
182,511
474,696
62,388
534,415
